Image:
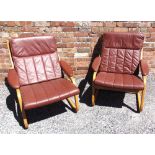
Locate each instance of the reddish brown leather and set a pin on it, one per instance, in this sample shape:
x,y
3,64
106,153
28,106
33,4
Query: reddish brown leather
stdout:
x,y
35,59
144,68
44,93
118,82
119,60
31,46
121,52
13,79
96,63
66,68
122,40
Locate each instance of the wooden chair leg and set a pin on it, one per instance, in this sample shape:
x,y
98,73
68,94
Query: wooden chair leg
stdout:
x,y
139,100
25,122
142,100
76,102
75,105
143,94
93,96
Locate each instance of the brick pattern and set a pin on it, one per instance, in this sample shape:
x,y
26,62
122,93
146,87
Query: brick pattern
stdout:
x,y
75,40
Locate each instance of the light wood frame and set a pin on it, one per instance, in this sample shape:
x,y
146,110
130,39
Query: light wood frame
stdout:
x,y
140,94
24,118
74,106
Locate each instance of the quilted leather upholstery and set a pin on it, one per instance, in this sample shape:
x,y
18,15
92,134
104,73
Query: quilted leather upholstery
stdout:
x,y
119,60
121,52
118,82
47,92
35,59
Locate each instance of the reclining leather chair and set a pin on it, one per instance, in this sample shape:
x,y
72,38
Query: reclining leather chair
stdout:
x,y
36,74
118,66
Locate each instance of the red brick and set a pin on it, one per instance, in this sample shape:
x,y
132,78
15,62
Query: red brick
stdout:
x,y
11,23
119,24
95,29
25,23
153,25
70,24
151,29
117,29
69,29
97,24
145,24
66,40
3,23
131,24
110,24
81,34
134,30
55,24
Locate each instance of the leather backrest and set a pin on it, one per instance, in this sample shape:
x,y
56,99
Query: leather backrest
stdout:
x,y
121,52
35,59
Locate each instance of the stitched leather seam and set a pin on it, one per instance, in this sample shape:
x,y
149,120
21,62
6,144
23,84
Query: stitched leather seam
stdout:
x,y
44,67
108,59
35,68
131,61
116,59
26,71
122,81
114,80
124,59
52,65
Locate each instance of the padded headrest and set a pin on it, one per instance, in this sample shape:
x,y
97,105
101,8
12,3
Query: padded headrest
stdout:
x,y
31,46
123,40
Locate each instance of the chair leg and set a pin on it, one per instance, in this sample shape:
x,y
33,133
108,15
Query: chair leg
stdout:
x,y
93,96
75,105
139,99
25,122
142,100
143,94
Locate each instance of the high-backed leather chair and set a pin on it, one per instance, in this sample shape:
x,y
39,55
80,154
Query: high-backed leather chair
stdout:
x,y
36,74
117,67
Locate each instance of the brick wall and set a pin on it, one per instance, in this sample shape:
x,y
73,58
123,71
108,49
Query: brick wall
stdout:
x,y
75,40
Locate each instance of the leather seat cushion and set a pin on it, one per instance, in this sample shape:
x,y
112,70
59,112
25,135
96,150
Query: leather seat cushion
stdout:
x,y
44,93
118,82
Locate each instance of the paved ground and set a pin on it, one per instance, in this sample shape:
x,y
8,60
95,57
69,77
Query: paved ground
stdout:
x,y
113,113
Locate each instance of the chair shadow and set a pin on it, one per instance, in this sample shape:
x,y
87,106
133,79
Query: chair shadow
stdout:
x,y
33,115
105,98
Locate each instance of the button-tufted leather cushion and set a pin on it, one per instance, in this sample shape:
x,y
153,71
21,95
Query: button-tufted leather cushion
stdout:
x,y
35,59
121,52
44,93
118,82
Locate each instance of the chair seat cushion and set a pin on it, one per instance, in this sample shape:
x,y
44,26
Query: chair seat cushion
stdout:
x,y
44,93
118,82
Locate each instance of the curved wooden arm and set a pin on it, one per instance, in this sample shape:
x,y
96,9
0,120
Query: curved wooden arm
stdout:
x,y
94,75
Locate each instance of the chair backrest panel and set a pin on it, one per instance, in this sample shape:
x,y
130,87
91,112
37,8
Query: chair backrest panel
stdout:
x,y
121,52
35,59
